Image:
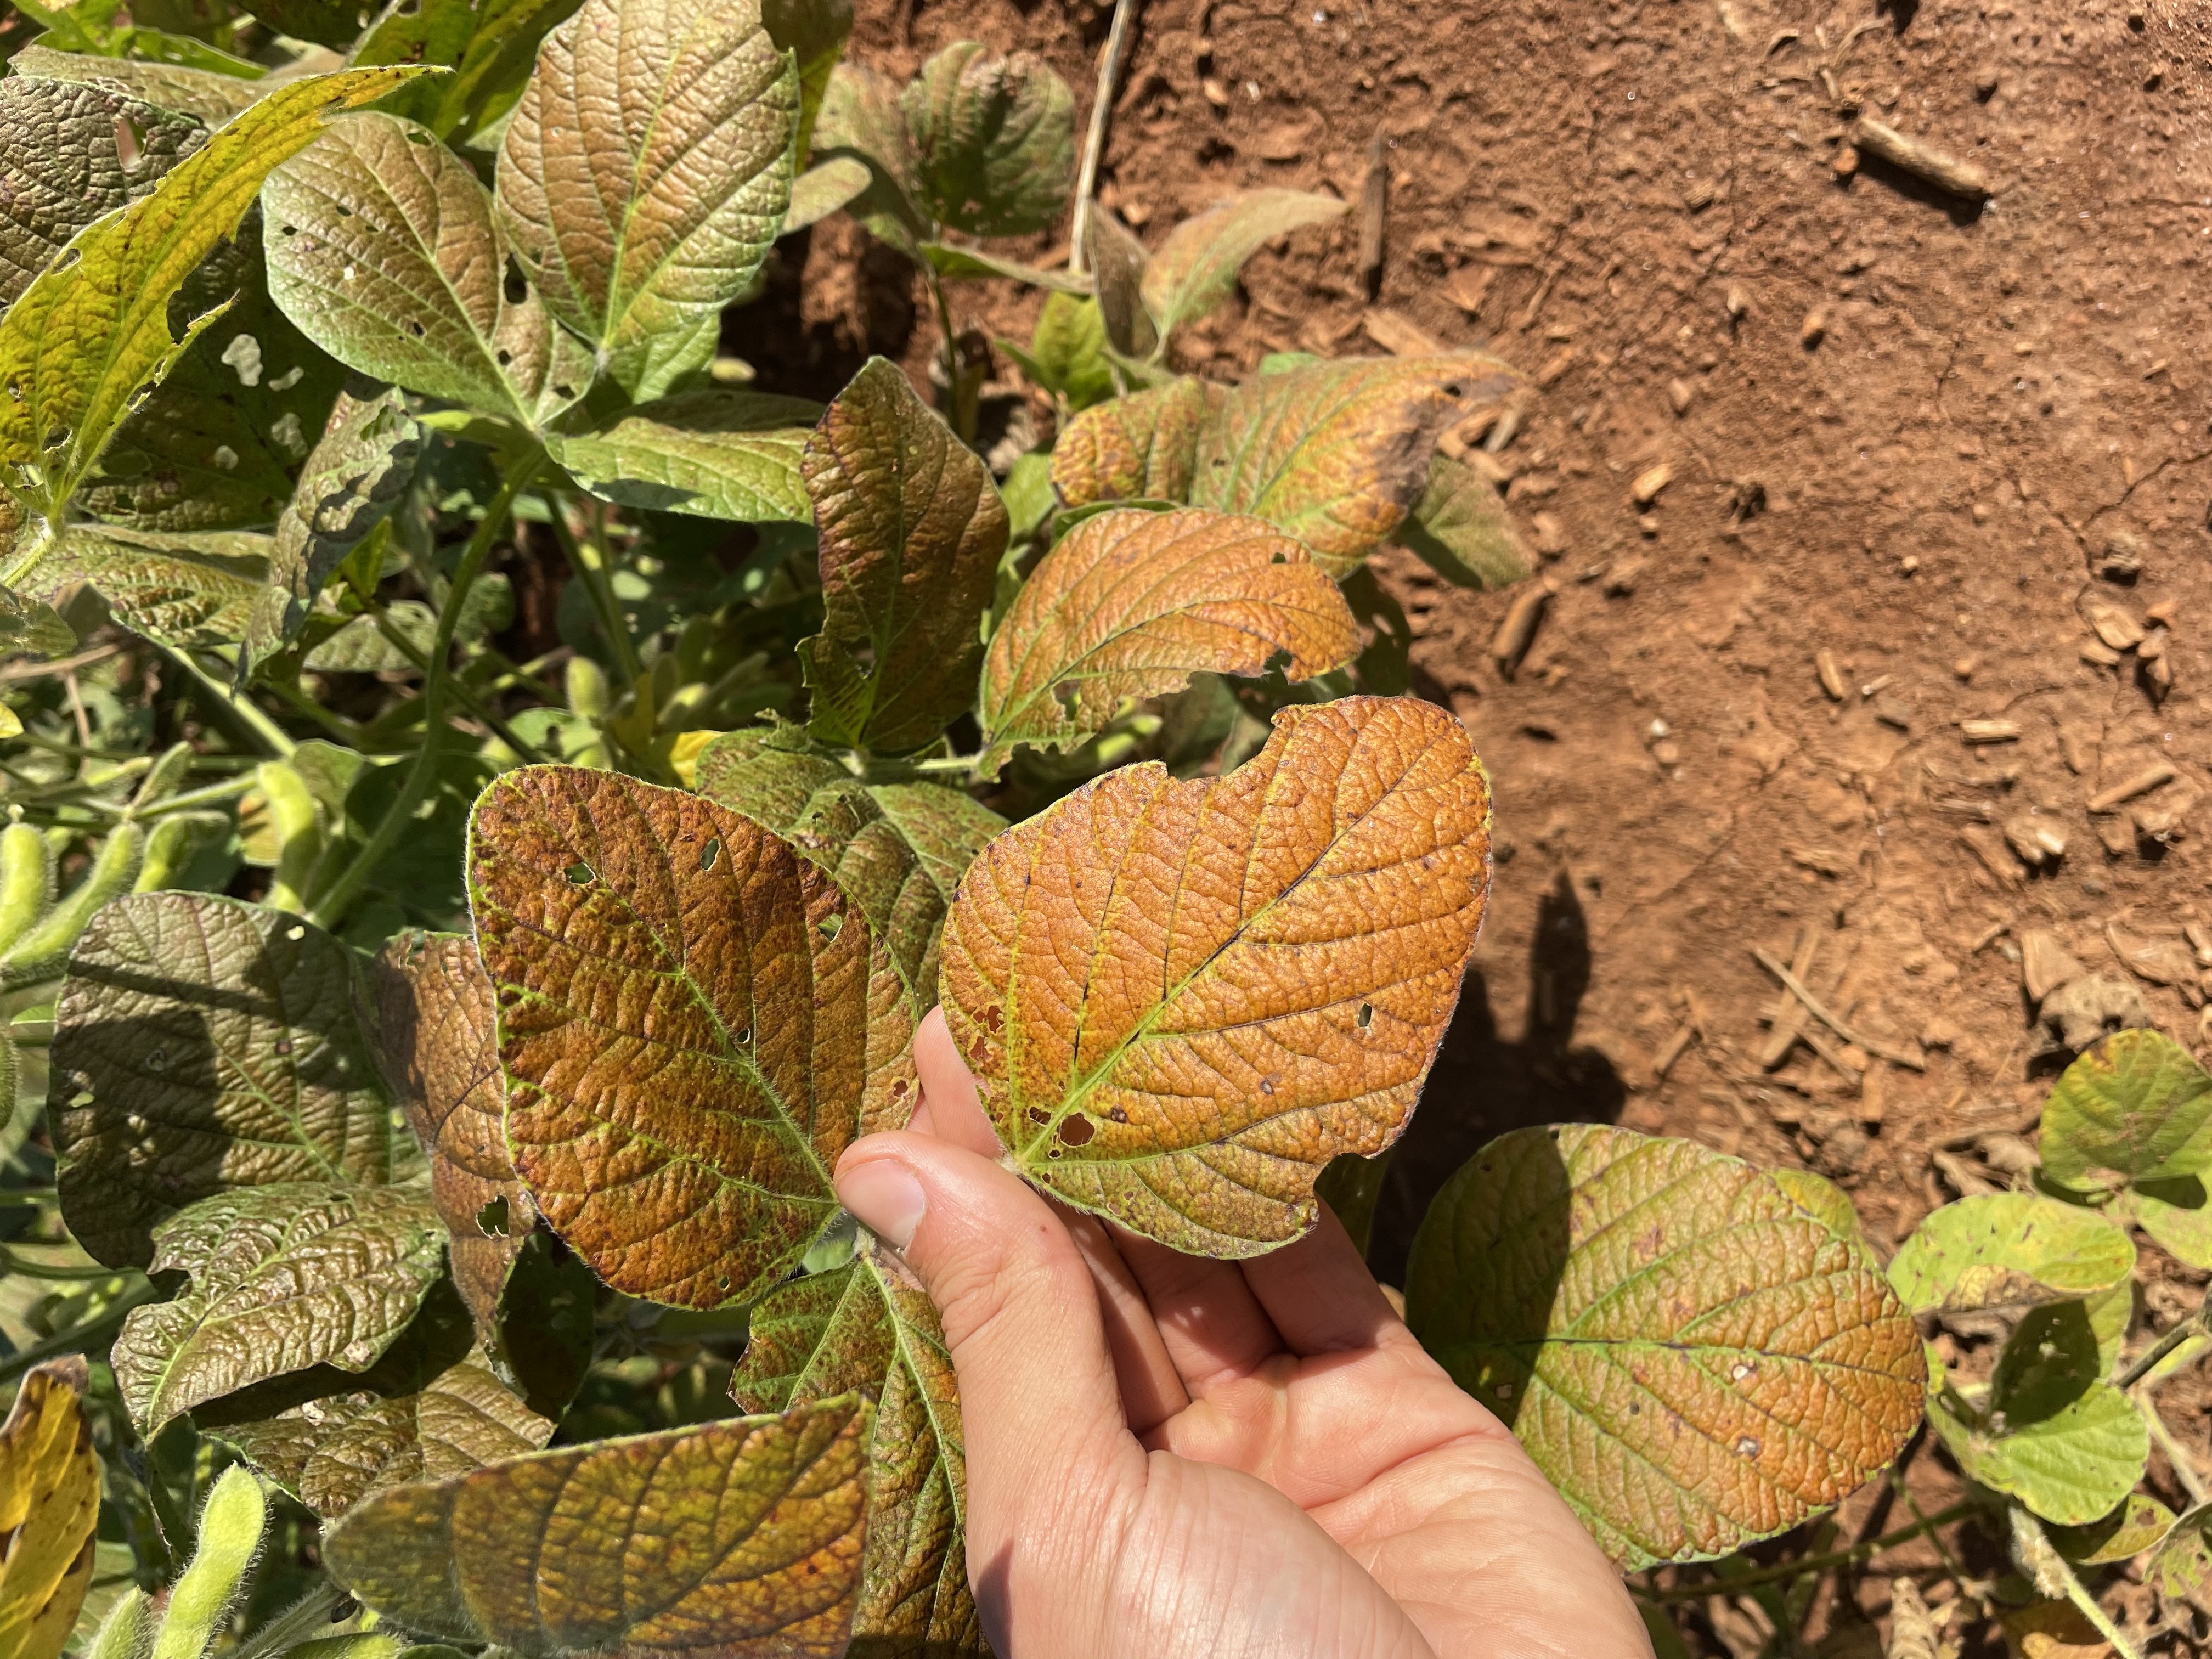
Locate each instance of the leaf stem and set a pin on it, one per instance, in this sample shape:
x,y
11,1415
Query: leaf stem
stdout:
x,y
462,692
213,794
80,1339
1783,1570
331,907
2046,1564
1094,140
2185,1466
590,569
13,1261
264,732
2143,1363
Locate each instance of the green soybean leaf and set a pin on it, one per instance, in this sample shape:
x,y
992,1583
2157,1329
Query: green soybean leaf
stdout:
x,y
81,346
1693,1360
1351,1185
360,647
694,1022
1067,351
32,628
1141,447
353,478
870,1326
952,261
1337,453
1195,269
182,591
645,173
1132,604
825,187
896,850
2008,1249
2177,1213
1136,1038
993,140
814,32
741,1539
200,1046
210,95
334,23
1118,262
911,531
2181,1571
489,45
711,455
67,166
1461,530
1821,1198
2136,1107
2136,1525
383,249
860,118
282,1277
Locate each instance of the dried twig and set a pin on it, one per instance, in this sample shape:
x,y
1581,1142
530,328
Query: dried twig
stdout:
x,y
38,671
1903,1057
1923,161
1094,141
1786,1021
1374,202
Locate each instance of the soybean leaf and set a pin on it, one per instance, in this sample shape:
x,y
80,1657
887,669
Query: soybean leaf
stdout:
x,y
67,166
49,1510
2176,1213
2136,1107
2008,1249
1117,970
353,478
1195,269
360,647
993,140
645,173
1693,1360
210,95
911,531
1336,453
2137,1524
869,1325
860,117
1351,1185
712,454
384,248
1461,530
33,627
438,1052
1067,351
740,1539
80,347
814,32
694,1022
952,261
489,45
1117,262
1131,604
825,187
282,1277
202,1045
1141,447
333,23
182,591
897,850
2181,1570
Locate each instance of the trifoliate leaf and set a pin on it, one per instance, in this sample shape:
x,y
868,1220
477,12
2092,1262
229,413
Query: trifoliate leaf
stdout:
x,y
993,139
870,1326
2138,1524
645,173
1141,447
352,480
897,850
49,1510
202,1045
87,339
1195,269
1175,996
489,45
211,96
282,1277
1132,604
694,1022
385,250
437,1047
2137,1107
1693,1360
1461,530
740,1539
2008,1249
2177,1213
911,529
712,454
180,590
1336,453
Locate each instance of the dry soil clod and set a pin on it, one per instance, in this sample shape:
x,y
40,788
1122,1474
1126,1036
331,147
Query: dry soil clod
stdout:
x,y
2115,627
1814,329
1922,160
1650,481
1990,731
1832,676
2045,965
1517,630
1374,201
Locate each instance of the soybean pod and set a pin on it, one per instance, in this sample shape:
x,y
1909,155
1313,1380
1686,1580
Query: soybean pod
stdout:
x,y
27,881
41,953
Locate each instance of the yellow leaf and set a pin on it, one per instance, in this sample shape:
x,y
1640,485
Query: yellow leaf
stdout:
x,y
49,1506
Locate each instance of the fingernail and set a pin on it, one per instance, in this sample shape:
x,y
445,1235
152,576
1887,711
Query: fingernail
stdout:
x,y
886,1197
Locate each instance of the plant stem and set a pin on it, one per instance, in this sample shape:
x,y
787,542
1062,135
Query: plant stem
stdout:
x,y
80,1338
331,907
2143,1363
1094,141
264,732
12,1262
1783,1570
2045,1563
2185,1466
213,794
591,570
459,687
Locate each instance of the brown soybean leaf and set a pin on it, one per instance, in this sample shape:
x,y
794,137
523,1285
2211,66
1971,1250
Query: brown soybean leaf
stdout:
x,y
694,1021
859,118
870,1326
912,528
739,1540
212,97
1336,453
1132,604
646,173
1141,447
437,1045
1195,269
201,1044
1181,1000
181,590
49,1510
1693,1360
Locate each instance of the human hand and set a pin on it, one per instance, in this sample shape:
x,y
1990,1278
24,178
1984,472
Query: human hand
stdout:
x,y
1171,1456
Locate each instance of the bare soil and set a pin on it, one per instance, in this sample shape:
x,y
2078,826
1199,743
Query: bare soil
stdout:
x,y
1924,436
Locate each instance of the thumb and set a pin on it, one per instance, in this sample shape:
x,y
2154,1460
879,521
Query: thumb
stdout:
x,y
1046,1441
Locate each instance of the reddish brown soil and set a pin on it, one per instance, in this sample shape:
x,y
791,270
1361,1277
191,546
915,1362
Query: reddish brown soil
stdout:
x,y
1926,491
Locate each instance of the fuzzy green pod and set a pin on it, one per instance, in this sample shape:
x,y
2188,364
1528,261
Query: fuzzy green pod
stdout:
x,y
292,813
230,1538
127,1632
589,695
27,881
40,953
172,844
